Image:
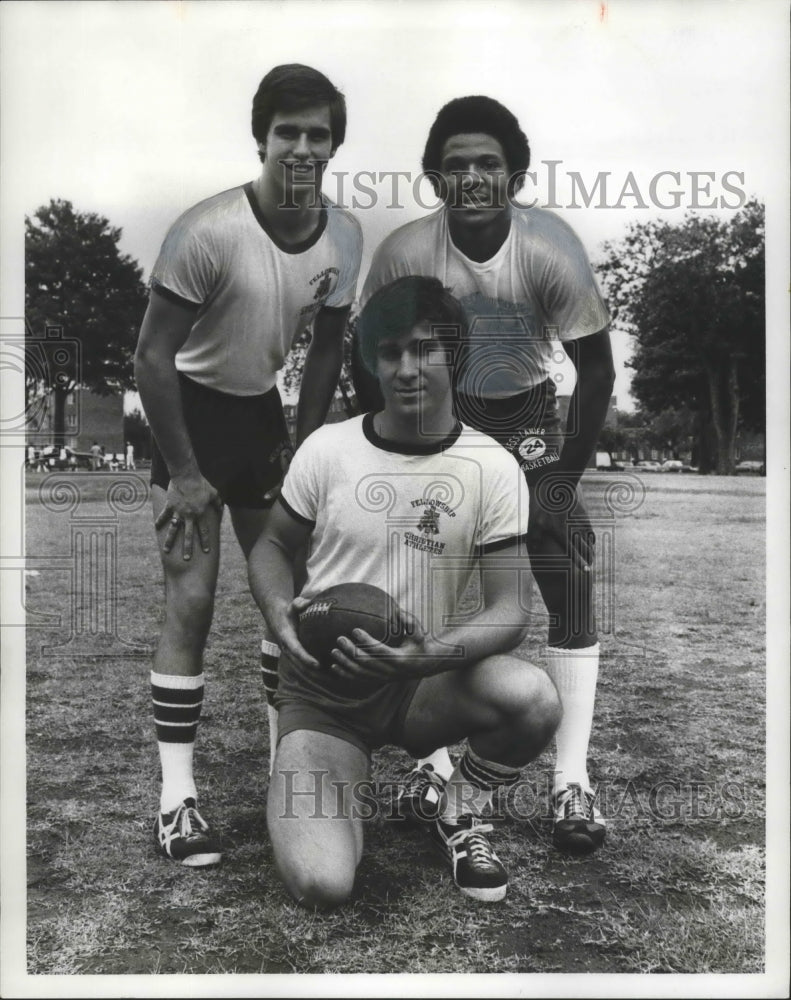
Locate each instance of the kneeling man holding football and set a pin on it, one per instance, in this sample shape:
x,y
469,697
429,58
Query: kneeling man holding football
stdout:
x,y
410,502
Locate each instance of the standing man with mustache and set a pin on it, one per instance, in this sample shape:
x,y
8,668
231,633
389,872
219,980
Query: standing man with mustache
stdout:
x,y
525,282
238,278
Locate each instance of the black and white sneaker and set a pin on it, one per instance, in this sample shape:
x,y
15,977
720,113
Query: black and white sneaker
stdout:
x,y
184,835
418,797
578,826
477,870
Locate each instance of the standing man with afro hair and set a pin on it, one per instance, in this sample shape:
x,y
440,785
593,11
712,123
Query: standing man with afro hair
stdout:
x,y
239,277
525,282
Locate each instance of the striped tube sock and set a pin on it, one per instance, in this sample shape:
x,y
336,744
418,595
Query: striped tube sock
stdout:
x,y
270,654
471,786
177,704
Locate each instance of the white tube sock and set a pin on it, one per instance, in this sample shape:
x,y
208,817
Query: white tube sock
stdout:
x,y
440,761
574,673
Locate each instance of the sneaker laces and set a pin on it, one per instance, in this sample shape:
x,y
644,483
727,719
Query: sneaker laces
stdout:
x,y
186,816
576,801
571,801
478,848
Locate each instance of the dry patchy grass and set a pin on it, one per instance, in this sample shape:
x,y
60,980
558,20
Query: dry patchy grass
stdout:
x,y
678,748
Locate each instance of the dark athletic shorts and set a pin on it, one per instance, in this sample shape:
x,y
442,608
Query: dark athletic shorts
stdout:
x,y
527,425
241,443
375,717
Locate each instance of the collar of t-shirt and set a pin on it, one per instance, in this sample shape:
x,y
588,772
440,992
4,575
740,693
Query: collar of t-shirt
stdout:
x,y
432,447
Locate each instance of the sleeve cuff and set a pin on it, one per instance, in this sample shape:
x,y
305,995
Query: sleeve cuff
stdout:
x,y
293,513
337,310
501,543
173,297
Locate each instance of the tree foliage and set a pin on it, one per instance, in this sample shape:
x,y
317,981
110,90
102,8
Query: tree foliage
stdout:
x,y
291,373
692,295
138,433
76,279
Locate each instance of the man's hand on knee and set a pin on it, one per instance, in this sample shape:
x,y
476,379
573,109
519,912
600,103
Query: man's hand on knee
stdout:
x,y
188,504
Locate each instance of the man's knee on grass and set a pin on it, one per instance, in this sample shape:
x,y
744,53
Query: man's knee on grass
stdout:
x,y
319,890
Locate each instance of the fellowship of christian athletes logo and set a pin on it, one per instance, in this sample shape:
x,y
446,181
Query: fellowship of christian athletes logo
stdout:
x,y
428,526
429,522
323,289
323,286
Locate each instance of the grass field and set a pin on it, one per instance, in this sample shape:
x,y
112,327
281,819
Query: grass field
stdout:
x,y
678,749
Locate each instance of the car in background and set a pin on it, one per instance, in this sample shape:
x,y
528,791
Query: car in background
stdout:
x,y
749,465
675,465
52,458
648,465
605,463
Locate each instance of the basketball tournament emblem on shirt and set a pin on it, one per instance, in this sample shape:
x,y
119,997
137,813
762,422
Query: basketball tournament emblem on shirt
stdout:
x,y
428,525
532,448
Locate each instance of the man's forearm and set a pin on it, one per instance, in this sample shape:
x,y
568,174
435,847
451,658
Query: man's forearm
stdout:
x,y
592,358
270,572
587,413
498,629
319,380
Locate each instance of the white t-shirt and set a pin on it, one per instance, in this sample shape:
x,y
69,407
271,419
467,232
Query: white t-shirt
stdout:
x,y
252,295
538,288
413,523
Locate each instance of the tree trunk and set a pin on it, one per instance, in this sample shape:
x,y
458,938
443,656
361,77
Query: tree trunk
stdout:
x,y
734,399
724,396
59,416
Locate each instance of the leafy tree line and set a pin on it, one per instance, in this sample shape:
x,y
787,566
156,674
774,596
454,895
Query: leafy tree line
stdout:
x,y
77,279
692,296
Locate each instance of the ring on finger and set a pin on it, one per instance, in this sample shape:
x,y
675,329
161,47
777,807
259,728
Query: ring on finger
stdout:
x,y
175,521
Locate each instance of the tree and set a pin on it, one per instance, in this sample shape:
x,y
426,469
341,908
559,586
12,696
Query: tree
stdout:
x,y
630,433
693,297
138,433
76,279
291,374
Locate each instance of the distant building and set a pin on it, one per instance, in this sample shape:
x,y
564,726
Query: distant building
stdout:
x,y
88,418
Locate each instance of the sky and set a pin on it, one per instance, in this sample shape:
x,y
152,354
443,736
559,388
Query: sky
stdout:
x,y
138,110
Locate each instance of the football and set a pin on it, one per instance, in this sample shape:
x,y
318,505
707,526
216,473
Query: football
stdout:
x,y
347,606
